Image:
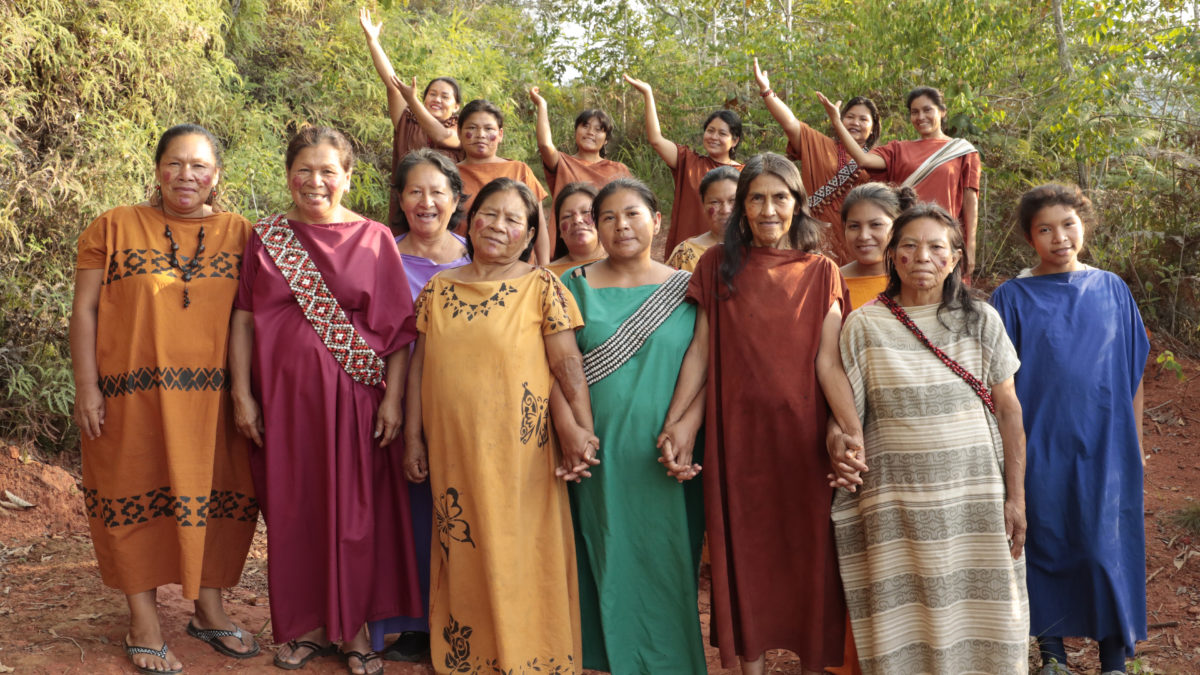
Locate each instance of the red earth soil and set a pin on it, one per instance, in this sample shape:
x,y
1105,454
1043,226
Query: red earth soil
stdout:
x,y
56,616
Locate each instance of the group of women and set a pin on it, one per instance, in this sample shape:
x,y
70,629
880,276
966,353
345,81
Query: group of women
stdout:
x,y
503,437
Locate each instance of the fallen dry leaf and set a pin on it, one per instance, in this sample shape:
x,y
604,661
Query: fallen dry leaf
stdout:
x,y
6,669
17,500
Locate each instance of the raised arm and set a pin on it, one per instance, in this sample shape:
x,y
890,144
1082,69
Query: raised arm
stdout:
x,y
863,158
416,457
545,142
1012,435
665,148
383,65
437,133
779,110
247,415
89,401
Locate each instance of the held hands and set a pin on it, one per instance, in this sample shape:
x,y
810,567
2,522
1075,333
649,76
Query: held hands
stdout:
x,y
1014,526
676,444
847,458
760,76
247,416
416,460
639,85
536,97
579,449
389,419
89,411
833,110
364,20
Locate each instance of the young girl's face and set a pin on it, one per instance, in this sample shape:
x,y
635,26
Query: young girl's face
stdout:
x,y
590,136
867,229
1056,233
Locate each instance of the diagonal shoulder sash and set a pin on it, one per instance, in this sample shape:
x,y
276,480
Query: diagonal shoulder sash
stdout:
x,y
957,147
844,174
605,359
319,305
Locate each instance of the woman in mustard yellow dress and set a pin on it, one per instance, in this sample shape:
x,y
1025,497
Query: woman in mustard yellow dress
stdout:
x,y
717,191
496,353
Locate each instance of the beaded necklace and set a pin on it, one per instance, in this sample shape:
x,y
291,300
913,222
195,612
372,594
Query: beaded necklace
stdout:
x,y
185,271
980,388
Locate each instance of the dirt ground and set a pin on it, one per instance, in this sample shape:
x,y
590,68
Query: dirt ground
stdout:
x,y
56,616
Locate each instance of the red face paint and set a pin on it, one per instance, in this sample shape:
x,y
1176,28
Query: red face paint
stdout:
x,y
904,259
296,182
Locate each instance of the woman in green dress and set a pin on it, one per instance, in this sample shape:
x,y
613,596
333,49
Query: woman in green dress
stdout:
x,y
637,526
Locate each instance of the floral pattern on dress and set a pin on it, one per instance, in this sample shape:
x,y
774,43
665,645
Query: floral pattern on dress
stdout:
x,y
447,515
458,656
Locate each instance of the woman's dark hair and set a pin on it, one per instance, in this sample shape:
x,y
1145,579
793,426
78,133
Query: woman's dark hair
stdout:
x,y
1054,194
309,136
477,106
440,162
718,174
448,80
870,106
955,293
804,234
560,246
934,95
605,121
531,210
735,126
893,200
178,130
632,184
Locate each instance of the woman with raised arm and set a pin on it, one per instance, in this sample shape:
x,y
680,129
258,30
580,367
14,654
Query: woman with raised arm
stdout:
x,y
829,172
428,122
722,134
593,131
941,169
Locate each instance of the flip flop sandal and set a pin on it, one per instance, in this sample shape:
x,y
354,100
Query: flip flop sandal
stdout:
x,y
130,650
212,636
315,650
365,660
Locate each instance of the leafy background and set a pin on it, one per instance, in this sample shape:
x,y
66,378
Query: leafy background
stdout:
x,y
1109,100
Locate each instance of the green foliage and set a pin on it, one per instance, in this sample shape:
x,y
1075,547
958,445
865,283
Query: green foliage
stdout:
x,y
88,85
1166,361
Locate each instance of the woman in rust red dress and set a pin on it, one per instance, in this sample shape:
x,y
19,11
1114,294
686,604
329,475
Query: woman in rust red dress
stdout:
x,y
589,164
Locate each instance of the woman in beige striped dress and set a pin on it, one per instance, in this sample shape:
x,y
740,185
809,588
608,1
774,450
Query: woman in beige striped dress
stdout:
x,y
930,537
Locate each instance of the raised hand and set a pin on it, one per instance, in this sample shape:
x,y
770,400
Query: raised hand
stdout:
x,y
760,76
364,20
536,97
641,86
407,90
833,110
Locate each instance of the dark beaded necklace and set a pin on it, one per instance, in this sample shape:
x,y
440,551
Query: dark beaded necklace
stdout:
x,y
186,272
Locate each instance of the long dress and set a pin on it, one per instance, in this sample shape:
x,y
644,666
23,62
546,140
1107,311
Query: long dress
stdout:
x,y
687,209
503,591
766,501
338,548
167,484
930,584
571,169
418,271
948,183
408,136
637,530
1084,348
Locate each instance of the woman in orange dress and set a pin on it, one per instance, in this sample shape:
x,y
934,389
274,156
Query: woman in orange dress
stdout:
x,y
722,135
428,122
826,167
589,164
166,478
578,243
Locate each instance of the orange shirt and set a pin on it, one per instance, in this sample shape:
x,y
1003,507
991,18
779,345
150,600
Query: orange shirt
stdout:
x,y
864,289
475,176
687,212
571,169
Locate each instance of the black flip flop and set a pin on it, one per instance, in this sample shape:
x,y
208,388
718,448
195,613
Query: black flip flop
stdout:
x,y
315,650
212,636
161,653
365,660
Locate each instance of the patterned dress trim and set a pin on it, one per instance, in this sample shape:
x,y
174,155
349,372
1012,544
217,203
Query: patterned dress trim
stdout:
x,y
610,355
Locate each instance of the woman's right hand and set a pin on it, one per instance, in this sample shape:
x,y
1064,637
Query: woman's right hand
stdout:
x,y
833,110
536,97
89,411
247,416
847,458
416,460
364,20
579,448
641,86
760,76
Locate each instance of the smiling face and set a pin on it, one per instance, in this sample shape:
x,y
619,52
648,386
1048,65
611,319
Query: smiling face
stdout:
x,y
427,200
859,122
923,256
718,204
481,135
317,181
925,116
440,101
590,136
187,174
867,228
575,225
769,209
626,225
500,230
718,139
1056,233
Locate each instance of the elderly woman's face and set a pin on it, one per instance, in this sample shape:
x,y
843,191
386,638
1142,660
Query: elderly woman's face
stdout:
x,y
427,200
575,224
769,207
317,181
500,230
187,174
923,257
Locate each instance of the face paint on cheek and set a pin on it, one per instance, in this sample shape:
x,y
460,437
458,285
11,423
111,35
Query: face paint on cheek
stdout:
x,y
296,182
903,260
168,176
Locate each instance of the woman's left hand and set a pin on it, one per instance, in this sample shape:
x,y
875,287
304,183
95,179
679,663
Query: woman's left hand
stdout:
x,y
407,90
676,443
833,110
1014,526
389,419
579,448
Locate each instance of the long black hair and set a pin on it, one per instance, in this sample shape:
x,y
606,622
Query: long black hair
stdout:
x,y
560,245
531,210
955,293
804,234
440,162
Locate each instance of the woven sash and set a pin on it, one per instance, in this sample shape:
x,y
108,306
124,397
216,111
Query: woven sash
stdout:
x,y
605,359
957,147
318,304
831,187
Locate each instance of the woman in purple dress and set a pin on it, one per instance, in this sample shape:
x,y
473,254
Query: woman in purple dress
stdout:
x,y
320,336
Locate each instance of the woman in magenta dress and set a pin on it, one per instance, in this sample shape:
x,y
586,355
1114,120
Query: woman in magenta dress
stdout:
x,y
327,364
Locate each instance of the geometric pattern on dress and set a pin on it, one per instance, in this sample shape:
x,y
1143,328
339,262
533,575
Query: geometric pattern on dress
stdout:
x,y
459,658
319,305
459,306
187,510
179,379
683,255
606,358
130,262
847,167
